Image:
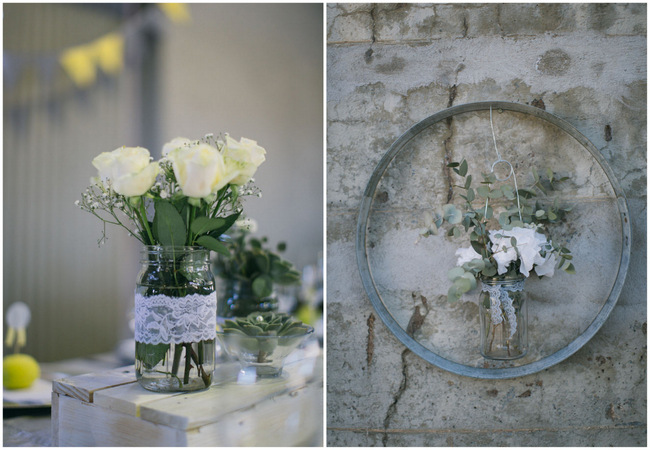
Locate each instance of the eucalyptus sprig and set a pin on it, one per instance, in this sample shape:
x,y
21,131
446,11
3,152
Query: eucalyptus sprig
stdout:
x,y
519,209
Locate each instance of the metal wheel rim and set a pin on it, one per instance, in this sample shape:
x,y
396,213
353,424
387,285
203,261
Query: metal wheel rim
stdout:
x,y
427,354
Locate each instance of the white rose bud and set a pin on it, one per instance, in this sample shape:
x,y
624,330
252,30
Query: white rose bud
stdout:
x,y
129,170
199,169
175,143
243,157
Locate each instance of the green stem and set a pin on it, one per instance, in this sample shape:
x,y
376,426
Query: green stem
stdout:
x,y
178,349
188,363
145,223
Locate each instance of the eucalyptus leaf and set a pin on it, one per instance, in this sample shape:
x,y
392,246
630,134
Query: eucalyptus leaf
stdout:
x,y
454,273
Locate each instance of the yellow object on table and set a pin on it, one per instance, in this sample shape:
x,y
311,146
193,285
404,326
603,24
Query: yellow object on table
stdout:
x,y
19,371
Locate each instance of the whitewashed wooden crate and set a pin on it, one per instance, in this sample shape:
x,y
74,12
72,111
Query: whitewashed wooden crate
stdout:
x,y
111,409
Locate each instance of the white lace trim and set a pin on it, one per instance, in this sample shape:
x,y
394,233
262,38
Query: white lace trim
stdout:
x,y
172,320
500,300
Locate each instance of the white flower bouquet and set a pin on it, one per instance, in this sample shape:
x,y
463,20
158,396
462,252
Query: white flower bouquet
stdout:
x,y
194,190
518,247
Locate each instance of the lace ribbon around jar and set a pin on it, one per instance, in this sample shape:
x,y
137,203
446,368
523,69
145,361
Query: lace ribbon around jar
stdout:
x,y
499,299
160,319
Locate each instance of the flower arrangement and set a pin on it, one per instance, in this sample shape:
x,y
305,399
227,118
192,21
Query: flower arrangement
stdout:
x,y
194,190
518,246
178,208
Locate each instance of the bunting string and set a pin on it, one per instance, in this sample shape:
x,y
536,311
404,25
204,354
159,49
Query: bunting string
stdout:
x,y
82,62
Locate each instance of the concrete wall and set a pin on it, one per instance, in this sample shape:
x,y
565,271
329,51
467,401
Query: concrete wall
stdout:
x,y
390,66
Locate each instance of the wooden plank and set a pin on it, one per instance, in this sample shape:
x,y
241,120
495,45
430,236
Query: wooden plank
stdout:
x,y
195,410
130,397
55,419
294,418
83,387
88,425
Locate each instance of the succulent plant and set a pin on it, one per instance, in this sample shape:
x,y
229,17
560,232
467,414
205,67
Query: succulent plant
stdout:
x,y
261,333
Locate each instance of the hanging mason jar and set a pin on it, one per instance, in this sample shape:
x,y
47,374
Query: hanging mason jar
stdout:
x,y
175,319
240,300
503,313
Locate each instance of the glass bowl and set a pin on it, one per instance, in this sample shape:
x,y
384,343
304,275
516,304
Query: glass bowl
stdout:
x,y
261,356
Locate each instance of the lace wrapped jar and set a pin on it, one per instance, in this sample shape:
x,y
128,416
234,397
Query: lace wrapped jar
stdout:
x,y
503,314
175,319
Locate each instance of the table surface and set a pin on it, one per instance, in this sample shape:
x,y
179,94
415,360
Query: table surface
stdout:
x,y
32,426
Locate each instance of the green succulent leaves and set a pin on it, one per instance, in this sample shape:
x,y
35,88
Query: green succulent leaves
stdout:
x,y
263,332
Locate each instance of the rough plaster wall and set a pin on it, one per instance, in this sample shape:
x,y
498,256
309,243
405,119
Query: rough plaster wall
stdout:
x,y
390,66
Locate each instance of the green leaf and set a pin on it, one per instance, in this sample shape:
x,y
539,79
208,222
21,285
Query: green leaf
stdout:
x,y
478,248
535,175
228,222
462,170
454,273
526,193
468,182
213,244
540,213
471,278
571,269
262,262
470,194
483,191
462,285
282,246
262,286
170,227
203,224
453,164
549,173
495,193
508,191
452,294
452,214
150,354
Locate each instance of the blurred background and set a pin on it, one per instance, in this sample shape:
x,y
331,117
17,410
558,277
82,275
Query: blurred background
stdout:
x,y
81,79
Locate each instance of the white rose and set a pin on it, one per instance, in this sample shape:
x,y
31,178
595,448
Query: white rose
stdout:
x,y
175,143
466,255
199,169
529,243
547,268
129,169
243,157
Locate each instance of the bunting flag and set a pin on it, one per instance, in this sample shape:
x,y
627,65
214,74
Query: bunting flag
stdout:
x,y
176,12
81,62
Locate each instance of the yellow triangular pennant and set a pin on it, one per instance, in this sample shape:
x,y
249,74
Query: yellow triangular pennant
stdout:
x,y
176,12
109,52
79,63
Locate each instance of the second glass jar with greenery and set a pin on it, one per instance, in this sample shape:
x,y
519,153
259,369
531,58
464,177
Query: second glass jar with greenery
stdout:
x,y
250,275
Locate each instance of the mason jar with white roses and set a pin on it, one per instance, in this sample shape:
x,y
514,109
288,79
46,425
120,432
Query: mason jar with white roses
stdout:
x,y
177,207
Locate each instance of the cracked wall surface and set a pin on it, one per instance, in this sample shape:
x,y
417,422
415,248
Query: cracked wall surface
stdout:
x,y
388,67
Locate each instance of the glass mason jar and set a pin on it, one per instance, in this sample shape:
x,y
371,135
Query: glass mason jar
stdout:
x,y
503,313
175,319
240,300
